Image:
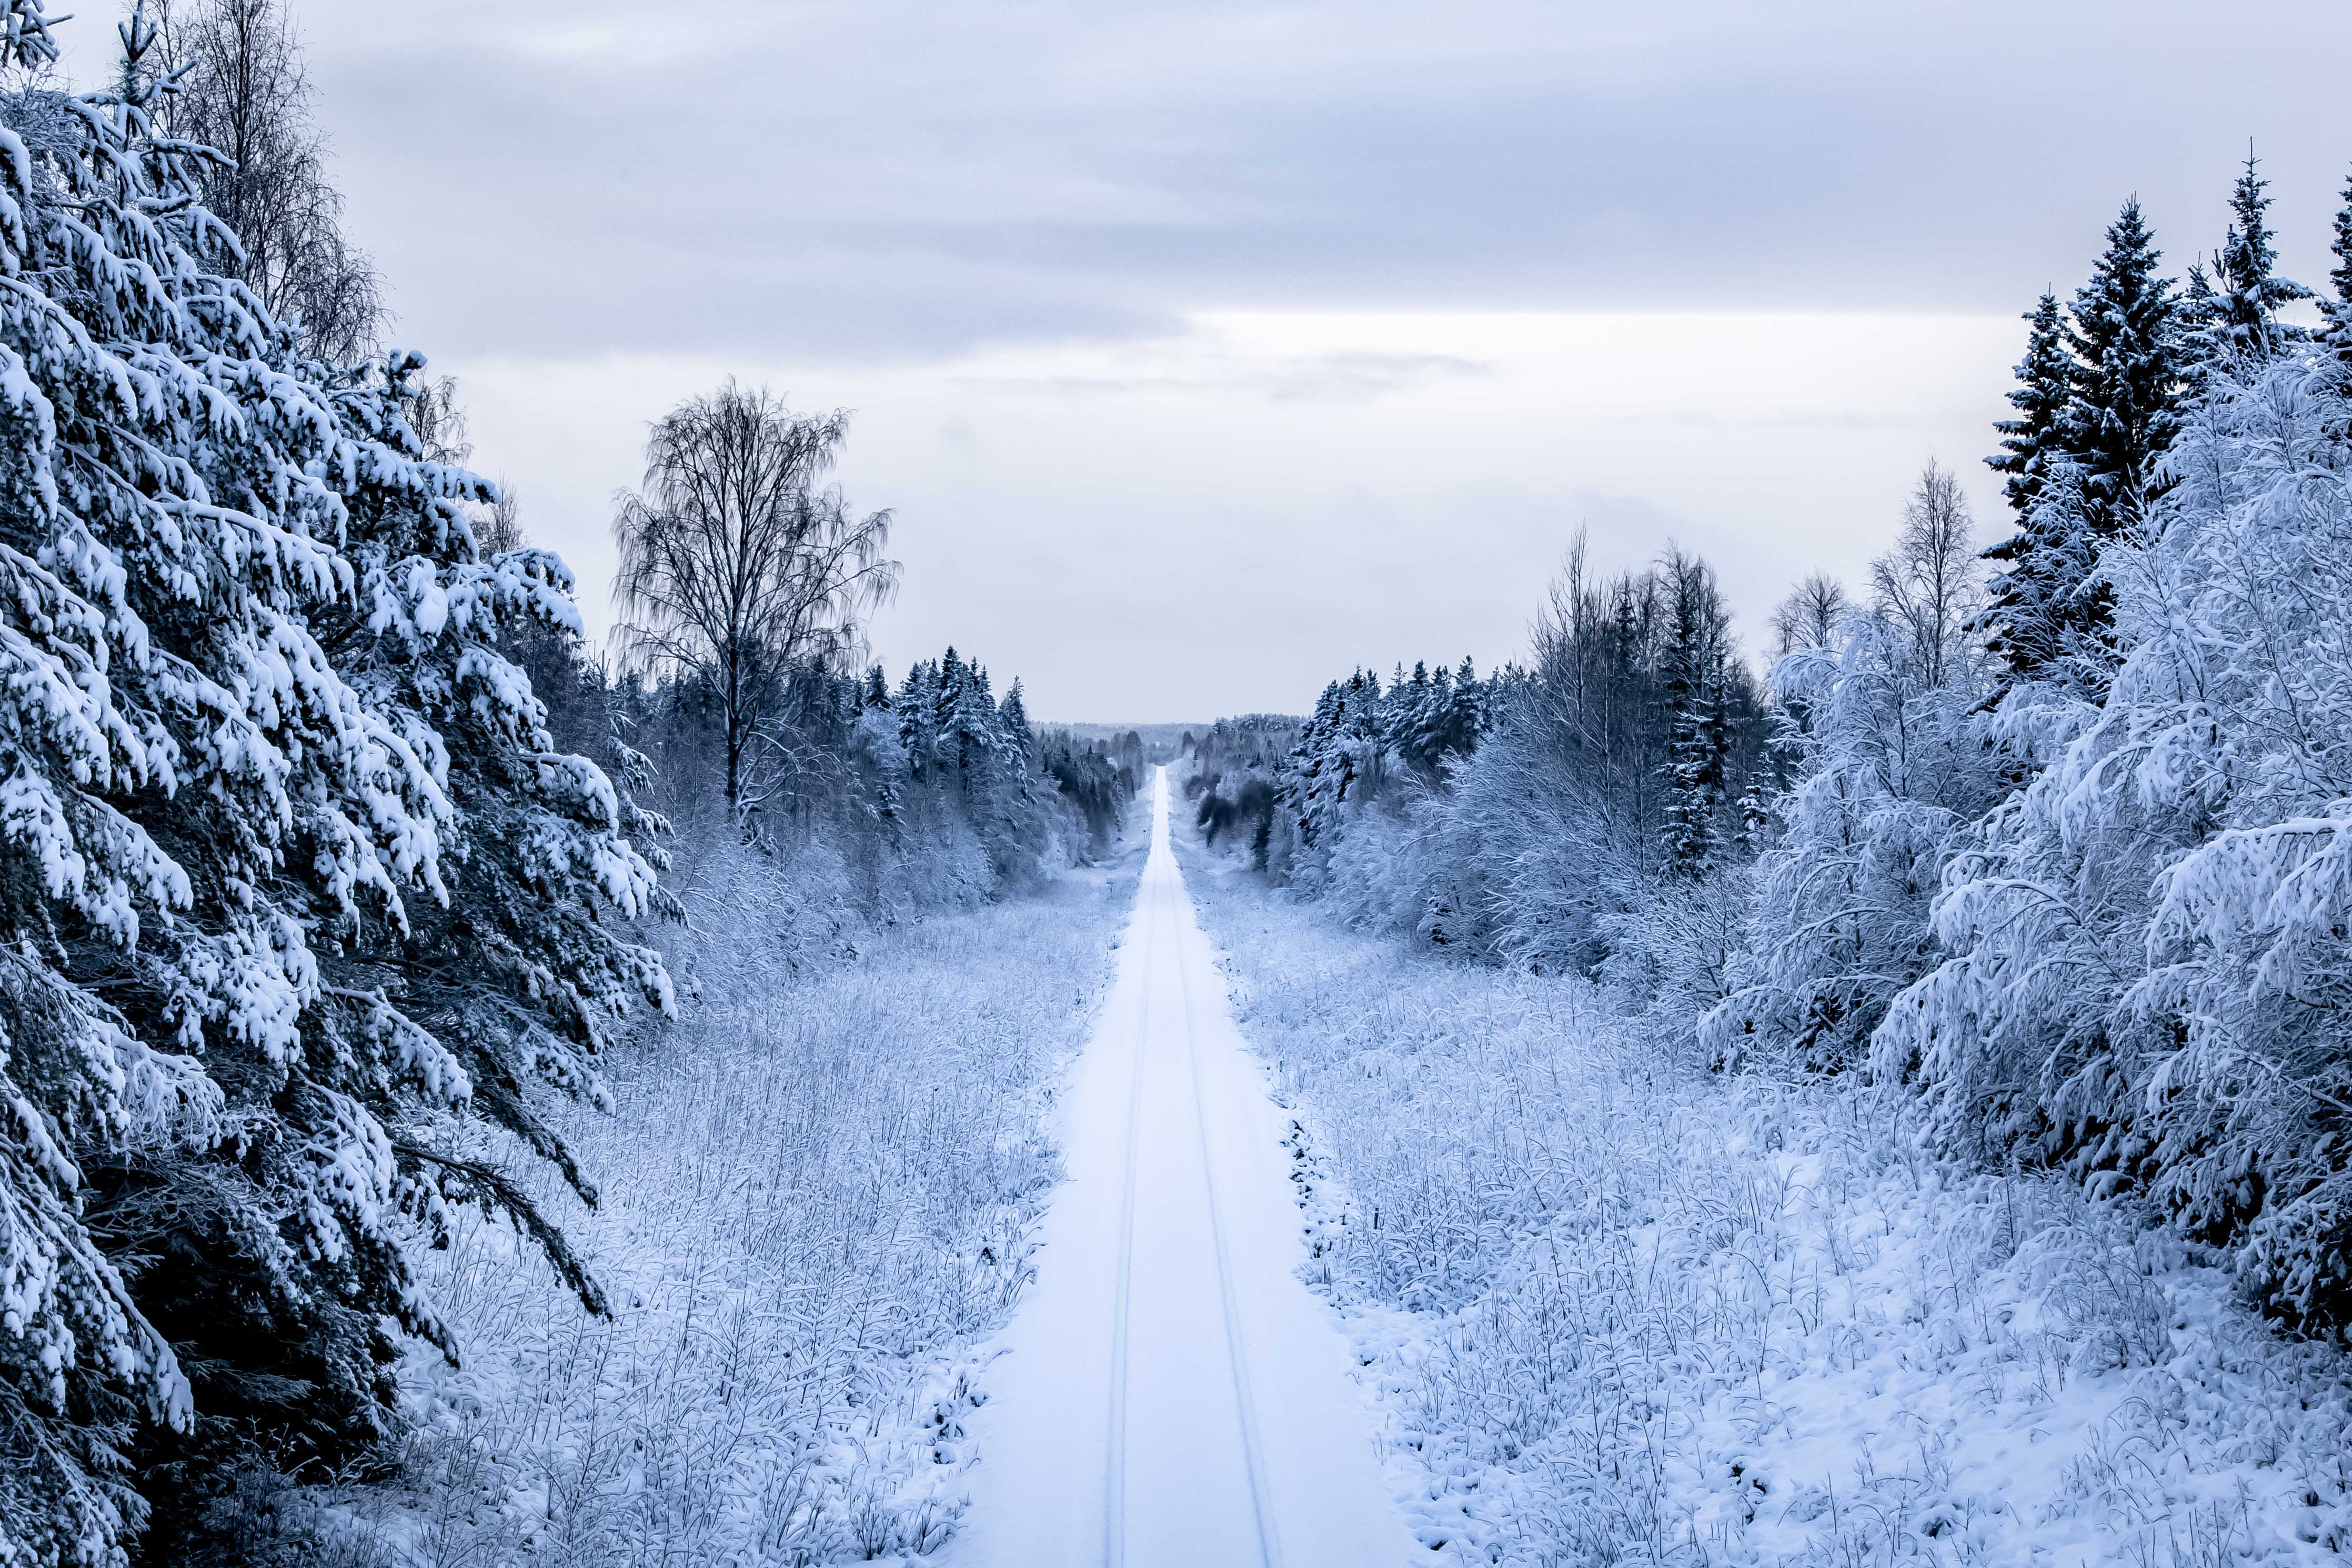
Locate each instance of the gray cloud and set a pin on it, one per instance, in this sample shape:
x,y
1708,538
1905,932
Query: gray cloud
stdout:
x,y
997,231
1341,376
919,180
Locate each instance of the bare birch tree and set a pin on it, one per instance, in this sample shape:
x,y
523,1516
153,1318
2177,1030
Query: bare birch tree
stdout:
x,y
1928,583
1809,619
738,563
243,90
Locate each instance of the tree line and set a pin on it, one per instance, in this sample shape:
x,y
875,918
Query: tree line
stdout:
x,y
2050,840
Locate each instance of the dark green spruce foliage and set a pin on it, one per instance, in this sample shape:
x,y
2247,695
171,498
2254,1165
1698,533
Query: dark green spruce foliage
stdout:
x,y
2029,444
303,913
2092,473
2337,311
2046,387
2234,318
1694,680
2127,391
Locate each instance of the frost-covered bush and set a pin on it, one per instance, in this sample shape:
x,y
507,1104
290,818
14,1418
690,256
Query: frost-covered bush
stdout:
x,y
295,892
1891,769
2150,978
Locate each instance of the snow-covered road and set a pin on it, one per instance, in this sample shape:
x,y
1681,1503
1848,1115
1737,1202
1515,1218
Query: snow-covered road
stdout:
x,y
1170,1391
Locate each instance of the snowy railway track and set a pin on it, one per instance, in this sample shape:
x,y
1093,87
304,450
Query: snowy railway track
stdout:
x,y
1269,1549
1170,1348
1123,1291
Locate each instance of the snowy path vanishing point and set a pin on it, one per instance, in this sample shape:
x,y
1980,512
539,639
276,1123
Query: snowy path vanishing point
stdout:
x,y
1170,1391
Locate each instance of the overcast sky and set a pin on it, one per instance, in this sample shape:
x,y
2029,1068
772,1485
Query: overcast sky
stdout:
x,y
1204,350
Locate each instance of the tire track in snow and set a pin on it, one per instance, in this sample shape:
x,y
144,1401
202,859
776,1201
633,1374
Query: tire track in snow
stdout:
x,y
1115,1446
1171,1395
1269,1545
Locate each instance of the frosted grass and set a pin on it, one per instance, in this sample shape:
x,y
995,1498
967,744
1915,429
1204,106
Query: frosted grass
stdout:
x,y
1620,1310
820,1190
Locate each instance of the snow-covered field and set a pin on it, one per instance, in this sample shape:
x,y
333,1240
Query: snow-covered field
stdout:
x,y
1620,1310
820,1193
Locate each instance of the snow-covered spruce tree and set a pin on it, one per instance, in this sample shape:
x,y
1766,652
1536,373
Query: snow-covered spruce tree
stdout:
x,y
2150,979
2125,338
2045,384
295,895
1599,814
1371,780
1096,787
2336,309
1456,715
2016,608
2234,318
1320,770
1695,670
2122,409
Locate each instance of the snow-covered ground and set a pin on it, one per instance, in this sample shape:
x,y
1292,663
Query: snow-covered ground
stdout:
x,y
1170,1392
820,1196
1622,1309
1604,1307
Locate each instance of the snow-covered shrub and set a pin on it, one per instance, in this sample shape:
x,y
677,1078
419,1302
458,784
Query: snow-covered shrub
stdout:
x,y
295,892
1675,949
2150,979
1233,777
1891,769
1545,850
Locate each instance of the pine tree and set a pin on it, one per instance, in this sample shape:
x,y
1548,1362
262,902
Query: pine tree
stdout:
x,y
2045,384
2337,313
2234,318
2126,406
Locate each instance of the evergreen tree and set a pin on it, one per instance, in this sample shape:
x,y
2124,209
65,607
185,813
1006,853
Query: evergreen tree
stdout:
x,y
2092,474
2037,570
2235,317
947,696
1466,713
2126,406
978,742
1012,716
1698,747
1320,768
917,715
2045,384
2337,313
1401,713
296,891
